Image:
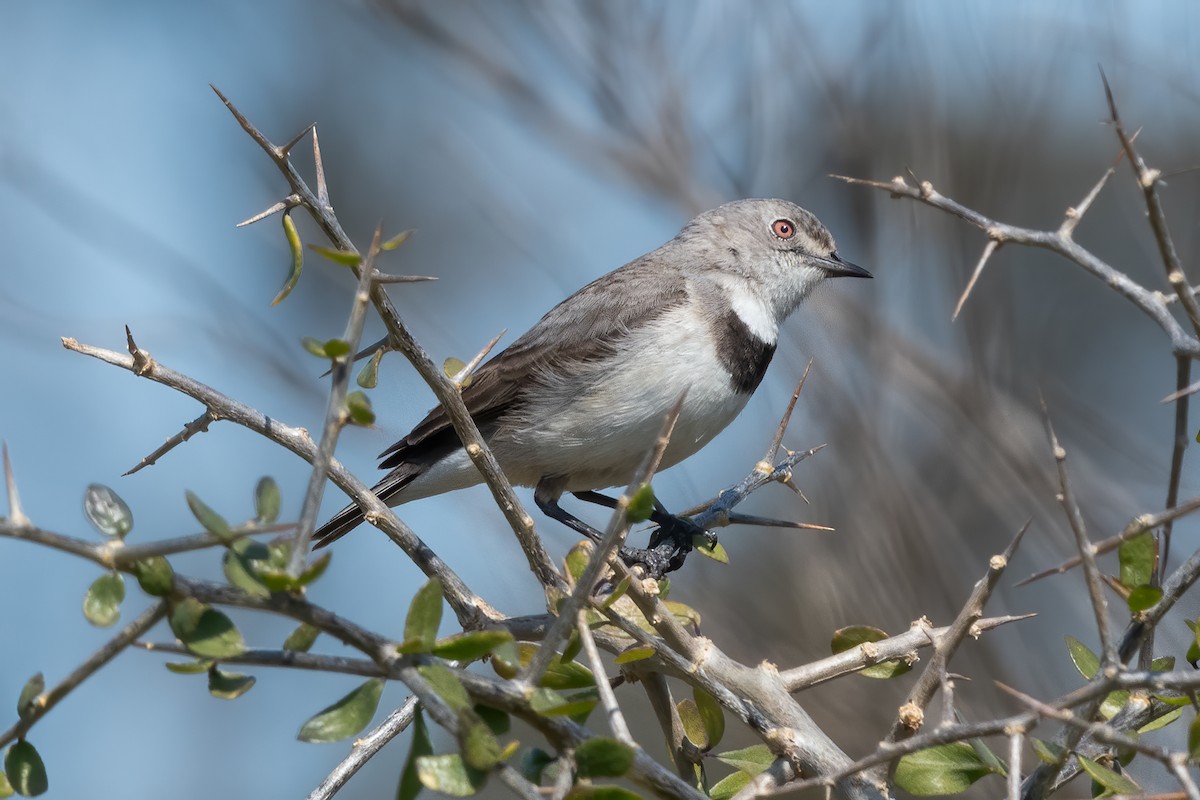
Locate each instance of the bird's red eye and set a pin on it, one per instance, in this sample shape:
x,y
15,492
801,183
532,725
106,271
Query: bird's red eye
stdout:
x,y
783,228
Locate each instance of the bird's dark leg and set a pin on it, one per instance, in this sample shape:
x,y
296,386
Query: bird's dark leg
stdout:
x,y
671,541
546,497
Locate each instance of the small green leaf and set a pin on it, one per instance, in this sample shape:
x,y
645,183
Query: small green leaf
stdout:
x,y
293,239
1087,662
155,576
452,366
336,348
1193,737
424,616
471,646
1046,751
358,406
750,760
25,769
410,784
228,685
449,774
1113,703
1111,780
368,376
315,569
635,653
480,750
346,717
102,603
213,522
107,512
572,648
945,769
189,667
714,551
397,240
446,685
590,791
508,659
29,692
577,559
1143,597
854,635
693,724
239,567
204,630
314,346
1163,664
301,639
498,721
533,763
712,715
550,703
267,501
641,505
617,593
1137,556
6,789
343,257
1161,721
729,786
599,757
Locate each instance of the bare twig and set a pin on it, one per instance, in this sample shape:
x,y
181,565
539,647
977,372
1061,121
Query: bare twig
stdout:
x,y
616,720
1182,376
989,249
365,746
198,425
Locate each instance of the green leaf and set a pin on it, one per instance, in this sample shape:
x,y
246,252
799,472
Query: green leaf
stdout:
x,y
729,786
1193,652
577,559
29,692
693,724
189,667
1046,751
1163,664
213,522
617,593
293,239
635,653
358,406
1193,736
854,635
155,576
346,717
641,505
750,760
1161,721
714,551
204,630
588,791
945,769
240,570
1087,662
1137,556
424,616
107,512
1143,597
600,757
446,684
449,774
267,501
712,714
315,569
102,603
1113,703
572,648
6,789
314,346
368,378
498,721
1113,781
343,257
301,639
550,703
453,366
480,750
25,769
228,685
410,784
471,646
533,763
336,348
397,240
508,659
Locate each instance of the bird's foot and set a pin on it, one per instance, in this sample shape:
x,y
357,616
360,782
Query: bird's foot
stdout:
x,y
669,546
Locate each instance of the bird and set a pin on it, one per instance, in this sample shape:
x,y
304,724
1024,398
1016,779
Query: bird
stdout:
x,y
572,405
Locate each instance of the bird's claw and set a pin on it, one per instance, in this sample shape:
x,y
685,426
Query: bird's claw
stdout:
x,y
669,546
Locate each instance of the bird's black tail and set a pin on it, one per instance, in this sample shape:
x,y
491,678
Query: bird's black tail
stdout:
x,y
351,516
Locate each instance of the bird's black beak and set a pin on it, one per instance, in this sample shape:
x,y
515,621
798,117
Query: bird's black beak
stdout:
x,y
837,268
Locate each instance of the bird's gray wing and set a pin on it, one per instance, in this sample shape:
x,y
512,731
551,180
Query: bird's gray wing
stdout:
x,y
585,326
